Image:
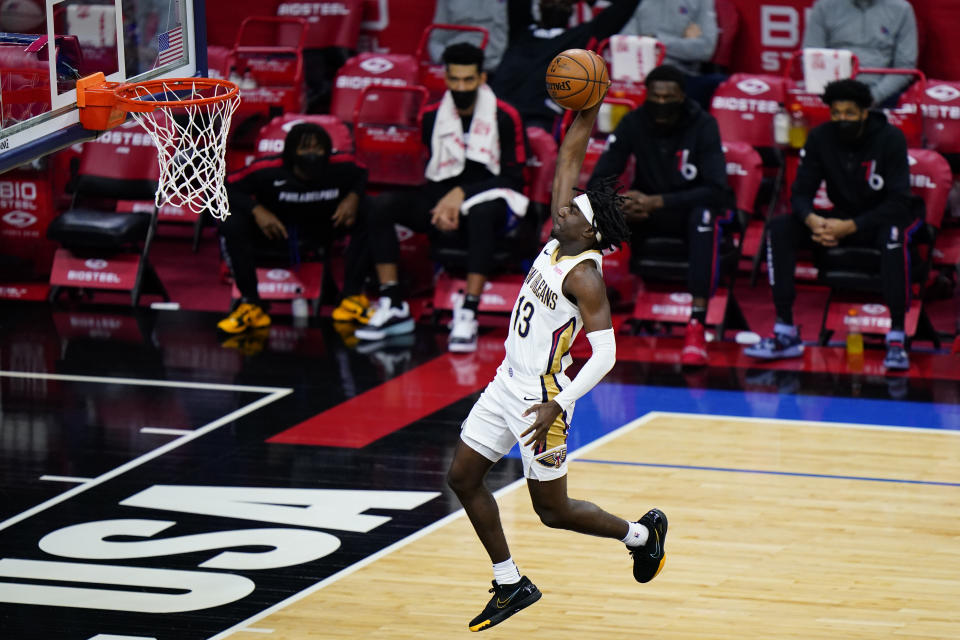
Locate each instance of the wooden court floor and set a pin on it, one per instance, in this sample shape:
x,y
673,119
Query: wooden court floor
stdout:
x,y
778,529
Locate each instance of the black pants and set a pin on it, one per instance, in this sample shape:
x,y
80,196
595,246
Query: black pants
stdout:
x,y
785,234
478,231
700,229
243,243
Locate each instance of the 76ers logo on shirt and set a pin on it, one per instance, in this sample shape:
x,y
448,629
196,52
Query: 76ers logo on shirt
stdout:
x,y
874,179
687,170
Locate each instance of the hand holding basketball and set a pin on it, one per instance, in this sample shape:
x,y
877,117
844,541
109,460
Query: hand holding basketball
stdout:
x,y
577,79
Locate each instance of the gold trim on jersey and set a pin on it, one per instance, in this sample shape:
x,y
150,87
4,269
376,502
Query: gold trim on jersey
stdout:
x,y
562,338
557,434
554,259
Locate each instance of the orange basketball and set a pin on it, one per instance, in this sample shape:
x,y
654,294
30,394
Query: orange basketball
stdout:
x,y
577,79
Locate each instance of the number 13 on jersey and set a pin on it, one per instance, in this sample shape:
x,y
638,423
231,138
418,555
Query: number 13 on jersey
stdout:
x,y
521,321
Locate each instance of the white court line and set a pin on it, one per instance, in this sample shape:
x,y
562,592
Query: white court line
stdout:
x,y
275,393
65,479
399,544
144,382
805,423
165,432
256,630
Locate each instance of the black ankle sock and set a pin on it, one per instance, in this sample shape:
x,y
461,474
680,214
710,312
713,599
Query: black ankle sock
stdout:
x,y
392,290
471,302
784,313
699,314
256,301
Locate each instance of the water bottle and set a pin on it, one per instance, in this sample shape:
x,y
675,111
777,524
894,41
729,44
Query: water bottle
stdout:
x,y
781,126
854,337
300,310
798,127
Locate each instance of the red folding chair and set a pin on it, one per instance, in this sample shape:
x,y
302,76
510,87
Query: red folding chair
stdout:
x,y
941,115
376,70
387,130
329,24
744,106
431,74
745,173
267,55
272,136
100,247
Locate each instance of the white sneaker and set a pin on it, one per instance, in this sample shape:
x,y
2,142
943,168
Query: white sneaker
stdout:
x,y
387,320
463,331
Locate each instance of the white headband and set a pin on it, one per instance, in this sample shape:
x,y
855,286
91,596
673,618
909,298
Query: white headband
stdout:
x,y
583,203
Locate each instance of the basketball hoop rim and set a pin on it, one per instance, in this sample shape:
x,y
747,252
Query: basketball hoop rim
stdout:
x,y
137,103
104,105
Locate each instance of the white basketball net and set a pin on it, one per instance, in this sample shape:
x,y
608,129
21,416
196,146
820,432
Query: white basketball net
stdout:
x,y
191,144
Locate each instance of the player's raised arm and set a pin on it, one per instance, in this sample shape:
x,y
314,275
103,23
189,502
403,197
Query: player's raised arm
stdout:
x,y
577,80
570,156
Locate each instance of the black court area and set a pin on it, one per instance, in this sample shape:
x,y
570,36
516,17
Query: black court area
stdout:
x,y
159,483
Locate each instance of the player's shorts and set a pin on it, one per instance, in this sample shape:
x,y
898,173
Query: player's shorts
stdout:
x,y
496,421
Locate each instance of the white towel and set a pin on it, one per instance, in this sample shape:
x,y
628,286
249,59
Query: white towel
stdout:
x,y
823,66
632,57
516,201
450,152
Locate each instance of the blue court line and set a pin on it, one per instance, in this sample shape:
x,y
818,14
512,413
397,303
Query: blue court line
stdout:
x,y
610,405
795,474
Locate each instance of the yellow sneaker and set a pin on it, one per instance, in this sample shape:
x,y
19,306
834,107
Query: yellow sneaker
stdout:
x,y
345,331
353,309
249,343
246,316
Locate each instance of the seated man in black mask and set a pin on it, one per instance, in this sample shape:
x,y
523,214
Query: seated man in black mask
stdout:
x,y
282,202
679,187
863,159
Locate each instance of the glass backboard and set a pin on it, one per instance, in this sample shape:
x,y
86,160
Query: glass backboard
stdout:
x,y
127,40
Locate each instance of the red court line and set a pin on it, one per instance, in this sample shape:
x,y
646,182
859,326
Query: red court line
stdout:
x,y
448,378
398,401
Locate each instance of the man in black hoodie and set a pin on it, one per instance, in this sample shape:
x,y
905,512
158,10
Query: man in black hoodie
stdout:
x,y
863,160
519,78
300,198
679,186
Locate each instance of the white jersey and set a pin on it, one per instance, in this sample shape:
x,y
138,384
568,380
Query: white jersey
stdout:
x,y
544,322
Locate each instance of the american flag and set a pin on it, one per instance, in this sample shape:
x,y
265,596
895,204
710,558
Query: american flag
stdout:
x,y
169,46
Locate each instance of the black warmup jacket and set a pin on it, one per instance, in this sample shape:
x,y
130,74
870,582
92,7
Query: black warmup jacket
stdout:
x,y
868,182
687,166
269,182
520,78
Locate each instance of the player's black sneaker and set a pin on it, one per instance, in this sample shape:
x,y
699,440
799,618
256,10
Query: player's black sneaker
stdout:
x,y
507,600
648,559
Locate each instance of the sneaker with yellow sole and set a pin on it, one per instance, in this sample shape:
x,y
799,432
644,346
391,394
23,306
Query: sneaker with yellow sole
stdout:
x,y
246,316
353,309
249,343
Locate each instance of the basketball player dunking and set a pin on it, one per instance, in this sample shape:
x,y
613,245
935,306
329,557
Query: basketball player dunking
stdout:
x,y
563,293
